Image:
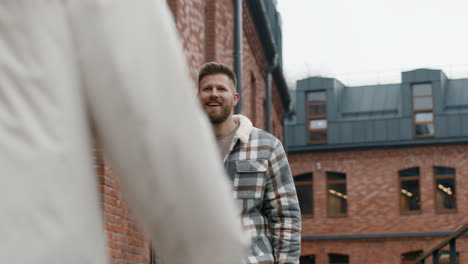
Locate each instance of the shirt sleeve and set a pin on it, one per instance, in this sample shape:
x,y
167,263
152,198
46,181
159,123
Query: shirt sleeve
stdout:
x,y
142,102
282,209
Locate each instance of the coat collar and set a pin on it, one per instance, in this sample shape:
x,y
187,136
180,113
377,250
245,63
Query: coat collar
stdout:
x,y
245,128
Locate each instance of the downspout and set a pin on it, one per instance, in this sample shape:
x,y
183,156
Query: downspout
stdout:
x,y
274,63
238,50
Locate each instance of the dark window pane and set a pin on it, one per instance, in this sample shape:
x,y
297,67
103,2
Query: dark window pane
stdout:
x,y
423,117
317,109
307,259
444,171
318,135
338,189
411,257
338,259
409,196
317,123
422,89
424,129
409,172
337,199
445,194
335,176
422,103
304,195
319,96
303,177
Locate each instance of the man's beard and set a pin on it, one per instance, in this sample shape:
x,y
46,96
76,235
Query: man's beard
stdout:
x,y
218,118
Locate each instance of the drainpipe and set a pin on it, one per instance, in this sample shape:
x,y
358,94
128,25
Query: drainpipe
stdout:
x,y
238,50
274,63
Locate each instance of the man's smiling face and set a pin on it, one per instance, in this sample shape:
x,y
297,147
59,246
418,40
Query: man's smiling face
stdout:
x,y
218,97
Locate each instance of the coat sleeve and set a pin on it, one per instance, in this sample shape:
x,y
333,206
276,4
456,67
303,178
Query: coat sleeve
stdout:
x,y
282,209
146,115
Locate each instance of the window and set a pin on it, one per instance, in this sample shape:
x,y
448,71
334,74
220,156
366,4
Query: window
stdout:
x,y
304,184
337,196
409,191
317,117
411,257
445,189
338,259
445,258
423,114
307,259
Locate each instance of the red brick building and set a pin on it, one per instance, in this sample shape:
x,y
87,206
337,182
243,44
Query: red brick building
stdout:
x,y
207,30
381,171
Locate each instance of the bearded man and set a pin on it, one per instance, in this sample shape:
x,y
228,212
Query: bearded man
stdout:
x,y
256,162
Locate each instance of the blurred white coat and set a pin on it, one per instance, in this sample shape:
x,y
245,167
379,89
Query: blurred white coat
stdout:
x,y
118,65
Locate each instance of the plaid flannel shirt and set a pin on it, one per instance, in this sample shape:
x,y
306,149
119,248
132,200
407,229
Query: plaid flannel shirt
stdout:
x,y
264,190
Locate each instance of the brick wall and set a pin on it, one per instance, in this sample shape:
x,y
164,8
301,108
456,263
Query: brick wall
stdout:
x,y
206,28
127,243
190,20
255,64
373,197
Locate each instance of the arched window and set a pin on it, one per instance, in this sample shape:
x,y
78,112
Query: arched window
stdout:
x,y
338,259
411,257
336,193
444,179
304,189
409,191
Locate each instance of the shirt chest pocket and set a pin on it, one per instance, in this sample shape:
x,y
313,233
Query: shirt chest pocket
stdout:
x,y
249,181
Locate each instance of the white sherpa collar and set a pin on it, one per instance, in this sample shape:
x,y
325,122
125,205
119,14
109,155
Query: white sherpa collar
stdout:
x,y
245,128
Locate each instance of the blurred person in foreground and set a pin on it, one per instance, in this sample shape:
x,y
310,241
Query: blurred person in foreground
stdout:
x,y
118,67
258,167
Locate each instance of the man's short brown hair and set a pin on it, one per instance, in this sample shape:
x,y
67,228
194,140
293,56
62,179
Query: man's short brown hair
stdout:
x,y
214,68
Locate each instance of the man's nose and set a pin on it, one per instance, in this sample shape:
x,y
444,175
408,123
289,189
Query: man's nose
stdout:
x,y
214,92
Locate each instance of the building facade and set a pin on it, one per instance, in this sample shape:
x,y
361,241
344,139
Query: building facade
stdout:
x,y
207,31
381,171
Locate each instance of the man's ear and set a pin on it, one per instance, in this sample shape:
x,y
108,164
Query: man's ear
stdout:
x,y
236,99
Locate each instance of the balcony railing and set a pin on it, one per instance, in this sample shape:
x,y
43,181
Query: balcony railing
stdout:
x,y
436,251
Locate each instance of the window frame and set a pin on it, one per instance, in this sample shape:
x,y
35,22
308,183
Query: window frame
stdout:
x,y
329,182
424,110
436,177
308,256
409,178
307,183
338,255
311,117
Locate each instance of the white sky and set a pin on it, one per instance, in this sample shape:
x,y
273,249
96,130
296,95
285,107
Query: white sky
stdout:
x,y
371,41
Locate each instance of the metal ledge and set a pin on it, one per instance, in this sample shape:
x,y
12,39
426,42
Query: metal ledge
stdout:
x,y
379,144
378,236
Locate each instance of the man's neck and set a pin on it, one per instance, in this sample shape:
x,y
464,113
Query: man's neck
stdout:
x,y
225,127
